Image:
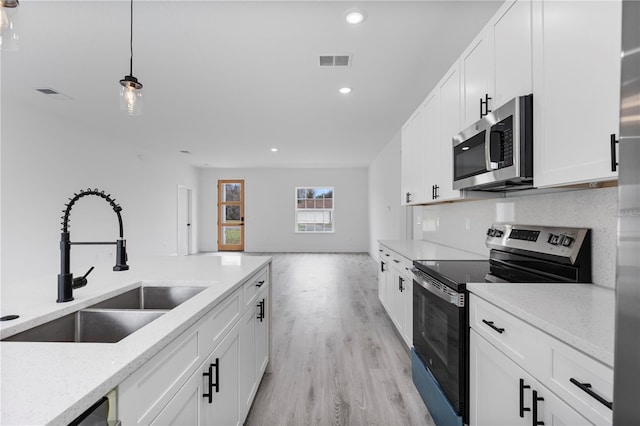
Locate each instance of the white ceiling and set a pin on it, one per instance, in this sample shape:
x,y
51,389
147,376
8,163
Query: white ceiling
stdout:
x,y
227,81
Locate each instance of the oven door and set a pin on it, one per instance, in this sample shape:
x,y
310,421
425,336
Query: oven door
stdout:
x,y
440,339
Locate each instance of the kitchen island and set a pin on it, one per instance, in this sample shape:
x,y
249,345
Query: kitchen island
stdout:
x,y
54,382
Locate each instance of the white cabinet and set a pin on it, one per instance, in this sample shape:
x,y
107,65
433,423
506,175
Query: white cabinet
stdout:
x,y
431,160
209,374
412,152
510,359
502,393
254,349
497,65
396,284
477,68
576,90
512,55
221,376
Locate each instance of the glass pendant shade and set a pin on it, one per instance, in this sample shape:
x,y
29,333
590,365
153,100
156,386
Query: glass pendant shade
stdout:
x,y
8,35
131,95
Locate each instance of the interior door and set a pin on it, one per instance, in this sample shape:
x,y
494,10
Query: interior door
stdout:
x,y
231,215
184,220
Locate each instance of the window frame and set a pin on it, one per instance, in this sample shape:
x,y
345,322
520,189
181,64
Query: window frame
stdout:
x,y
331,210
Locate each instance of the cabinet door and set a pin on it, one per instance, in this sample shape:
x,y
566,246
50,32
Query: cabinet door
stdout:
x,y
247,356
450,125
223,408
185,408
411,156
430,163
502,393
408,309
477,71
382,281
494,386
512,55
576,90
398,302
262,337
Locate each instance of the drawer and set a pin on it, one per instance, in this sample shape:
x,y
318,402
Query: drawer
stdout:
x,y
401,263
217,323
570,373
143,395
254,285
517,339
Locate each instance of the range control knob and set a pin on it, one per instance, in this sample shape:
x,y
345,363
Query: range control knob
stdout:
x,y
490,232
498,233
567,241
554,239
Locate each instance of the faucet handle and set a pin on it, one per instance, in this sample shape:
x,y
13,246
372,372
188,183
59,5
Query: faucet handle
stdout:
x,y
81,281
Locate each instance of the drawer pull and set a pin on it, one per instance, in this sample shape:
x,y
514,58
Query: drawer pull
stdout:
x,y
535,400
490,324
586,387
259,283
522,407
395,260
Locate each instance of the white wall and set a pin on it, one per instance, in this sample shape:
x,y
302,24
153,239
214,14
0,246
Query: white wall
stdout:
x,y
269,209
45,160
387,217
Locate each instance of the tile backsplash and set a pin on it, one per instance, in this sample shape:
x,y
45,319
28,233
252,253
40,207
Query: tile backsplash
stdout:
x,y
463,225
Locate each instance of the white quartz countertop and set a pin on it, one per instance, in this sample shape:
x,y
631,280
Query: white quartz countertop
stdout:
x,y
581,315
53,383
426,250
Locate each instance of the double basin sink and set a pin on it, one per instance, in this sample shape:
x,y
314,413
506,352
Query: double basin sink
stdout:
x,y
113,319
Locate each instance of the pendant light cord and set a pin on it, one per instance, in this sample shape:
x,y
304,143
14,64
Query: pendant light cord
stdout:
x,y
131,42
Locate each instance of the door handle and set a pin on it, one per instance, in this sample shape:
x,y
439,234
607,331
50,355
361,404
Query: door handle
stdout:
x,y
522,407
536,398
614,160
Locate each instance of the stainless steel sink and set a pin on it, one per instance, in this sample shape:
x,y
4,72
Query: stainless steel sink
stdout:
x,y
89,325
150,297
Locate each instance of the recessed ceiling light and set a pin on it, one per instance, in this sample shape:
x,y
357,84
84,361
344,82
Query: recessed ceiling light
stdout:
x,y
355,16
345,90
274,149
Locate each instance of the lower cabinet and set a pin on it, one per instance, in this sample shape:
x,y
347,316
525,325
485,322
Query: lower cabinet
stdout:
x,y
395,290
210,374
210,396
502,393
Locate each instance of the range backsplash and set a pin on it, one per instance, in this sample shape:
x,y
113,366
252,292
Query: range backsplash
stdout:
x,y
463,225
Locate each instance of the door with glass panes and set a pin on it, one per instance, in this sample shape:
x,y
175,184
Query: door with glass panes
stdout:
x,y
231,215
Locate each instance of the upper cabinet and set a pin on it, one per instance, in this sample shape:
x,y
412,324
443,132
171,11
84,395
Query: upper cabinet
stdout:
x,y
576,90
567,53
496,67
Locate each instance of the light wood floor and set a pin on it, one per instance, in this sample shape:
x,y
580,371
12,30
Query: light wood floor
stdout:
x,y
336,358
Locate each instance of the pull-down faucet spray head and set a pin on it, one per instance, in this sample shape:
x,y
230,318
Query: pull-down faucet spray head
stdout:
x,y
66,282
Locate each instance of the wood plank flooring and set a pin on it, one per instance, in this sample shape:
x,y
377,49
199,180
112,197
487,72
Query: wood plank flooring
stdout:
x,y
336,357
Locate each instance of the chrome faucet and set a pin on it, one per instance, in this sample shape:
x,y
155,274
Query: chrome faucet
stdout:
x,y
66,282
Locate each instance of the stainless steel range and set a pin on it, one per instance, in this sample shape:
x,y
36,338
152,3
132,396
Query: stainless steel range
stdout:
x,y
519,254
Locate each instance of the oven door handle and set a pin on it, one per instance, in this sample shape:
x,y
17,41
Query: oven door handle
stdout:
x,y
443,292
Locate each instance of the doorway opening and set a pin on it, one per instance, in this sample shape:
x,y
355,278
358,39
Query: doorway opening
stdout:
x,y
231,215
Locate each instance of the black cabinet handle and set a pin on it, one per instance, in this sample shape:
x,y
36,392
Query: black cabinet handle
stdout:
x,y
382,266
485,102
259,283
261,312
437,189
396,260
614,160
535,400
211,385
586,387
522,407
490,324
408,197
400,282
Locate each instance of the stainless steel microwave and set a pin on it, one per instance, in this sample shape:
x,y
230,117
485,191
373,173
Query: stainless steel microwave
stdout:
x,y
496,153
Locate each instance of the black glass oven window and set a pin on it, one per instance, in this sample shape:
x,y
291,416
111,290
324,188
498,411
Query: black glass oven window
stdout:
x,y
469,157
438,328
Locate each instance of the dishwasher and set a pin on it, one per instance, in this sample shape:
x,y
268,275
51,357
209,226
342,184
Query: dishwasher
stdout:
x,y
96,415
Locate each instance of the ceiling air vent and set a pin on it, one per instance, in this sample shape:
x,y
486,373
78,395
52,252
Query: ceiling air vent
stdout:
x,y
53,93
335,60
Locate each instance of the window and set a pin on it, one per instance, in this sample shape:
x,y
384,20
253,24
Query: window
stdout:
x,y
314,209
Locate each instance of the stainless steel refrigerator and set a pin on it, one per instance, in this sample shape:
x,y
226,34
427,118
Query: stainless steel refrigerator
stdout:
x,y
626,392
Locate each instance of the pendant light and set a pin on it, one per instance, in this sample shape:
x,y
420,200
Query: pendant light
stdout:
x,y
8,35
131,88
